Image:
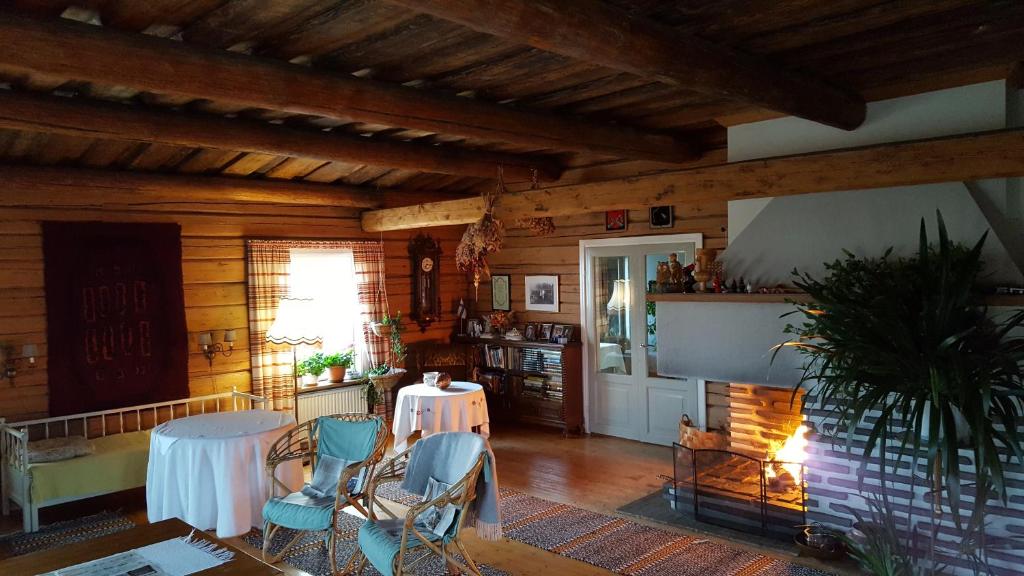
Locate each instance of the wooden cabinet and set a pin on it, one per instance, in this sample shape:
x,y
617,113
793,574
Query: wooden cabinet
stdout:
x,y
535,382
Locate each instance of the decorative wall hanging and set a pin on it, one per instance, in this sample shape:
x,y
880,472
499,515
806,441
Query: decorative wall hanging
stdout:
x,y
537,226
501,294
480,239
616,220
662,217
115,315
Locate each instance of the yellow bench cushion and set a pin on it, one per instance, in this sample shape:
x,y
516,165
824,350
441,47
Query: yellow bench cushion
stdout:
x,y
119,463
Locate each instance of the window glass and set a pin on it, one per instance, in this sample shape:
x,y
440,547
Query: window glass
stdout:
x,y
328,277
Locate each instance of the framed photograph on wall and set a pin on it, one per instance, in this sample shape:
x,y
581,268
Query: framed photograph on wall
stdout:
x,y
501,297
544,334
542,293
616,220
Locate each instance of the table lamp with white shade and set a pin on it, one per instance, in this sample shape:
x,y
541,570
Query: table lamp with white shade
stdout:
x,y
296,323
620,303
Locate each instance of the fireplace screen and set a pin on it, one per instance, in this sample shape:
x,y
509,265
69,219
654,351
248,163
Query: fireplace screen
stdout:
x,y
738,491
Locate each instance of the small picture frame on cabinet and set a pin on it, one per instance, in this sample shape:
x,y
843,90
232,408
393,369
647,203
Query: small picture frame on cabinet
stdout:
x,y
530,332
544,334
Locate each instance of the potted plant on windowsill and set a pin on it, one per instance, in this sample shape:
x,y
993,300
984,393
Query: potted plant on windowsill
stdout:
x,y
311,368
338,363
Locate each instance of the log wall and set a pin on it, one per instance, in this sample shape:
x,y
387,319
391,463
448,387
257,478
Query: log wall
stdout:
x,y
213,266
558,254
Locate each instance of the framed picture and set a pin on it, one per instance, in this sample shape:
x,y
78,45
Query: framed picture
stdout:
x,y
475,328
542,293
615,220
662,217
545,332
500,295
567,332
530,332
557,332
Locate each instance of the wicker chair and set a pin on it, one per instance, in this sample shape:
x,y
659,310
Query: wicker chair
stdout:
x,y
415,544
360,439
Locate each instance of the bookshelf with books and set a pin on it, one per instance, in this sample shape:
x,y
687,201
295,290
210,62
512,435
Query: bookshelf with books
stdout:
x,y
535,382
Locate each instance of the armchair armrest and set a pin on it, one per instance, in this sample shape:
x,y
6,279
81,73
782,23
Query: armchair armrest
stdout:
x,y
295,444
392,470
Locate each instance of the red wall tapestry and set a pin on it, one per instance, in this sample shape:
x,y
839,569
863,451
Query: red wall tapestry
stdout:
x,y
115,310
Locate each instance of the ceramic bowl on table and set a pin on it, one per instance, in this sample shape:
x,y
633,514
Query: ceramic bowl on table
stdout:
x,y
430,378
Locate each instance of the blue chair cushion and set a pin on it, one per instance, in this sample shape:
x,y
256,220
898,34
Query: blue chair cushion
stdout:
x,y
300,512
351,441
381,540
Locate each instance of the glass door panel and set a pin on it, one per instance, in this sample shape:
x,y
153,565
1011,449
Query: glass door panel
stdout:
x,y
613,306
665,269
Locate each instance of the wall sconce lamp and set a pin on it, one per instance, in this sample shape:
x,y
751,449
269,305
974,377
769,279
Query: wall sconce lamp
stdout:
x,y
10,362
210,349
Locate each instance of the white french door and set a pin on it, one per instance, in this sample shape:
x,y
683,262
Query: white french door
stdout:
x,y
625,394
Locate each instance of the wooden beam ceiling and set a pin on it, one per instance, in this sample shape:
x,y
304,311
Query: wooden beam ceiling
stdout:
x,y
593,31
998,154
52,186
92,119
65,49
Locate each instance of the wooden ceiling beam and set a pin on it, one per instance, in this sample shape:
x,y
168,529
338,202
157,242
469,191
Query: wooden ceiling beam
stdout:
x,y
58,186
595,32
66,49
109,121
978,156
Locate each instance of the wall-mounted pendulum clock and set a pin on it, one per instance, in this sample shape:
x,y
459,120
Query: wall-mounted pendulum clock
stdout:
x,y
425,253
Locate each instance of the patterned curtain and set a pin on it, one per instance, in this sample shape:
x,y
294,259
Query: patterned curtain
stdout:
x,y
272,364
369,262
268,265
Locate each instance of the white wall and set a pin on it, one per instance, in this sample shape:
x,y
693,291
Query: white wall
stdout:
x,y
768,238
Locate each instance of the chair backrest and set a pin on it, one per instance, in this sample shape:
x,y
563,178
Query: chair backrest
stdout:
x,y
447,457
351,437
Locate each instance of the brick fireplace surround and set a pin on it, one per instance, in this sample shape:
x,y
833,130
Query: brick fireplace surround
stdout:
x,y
753,417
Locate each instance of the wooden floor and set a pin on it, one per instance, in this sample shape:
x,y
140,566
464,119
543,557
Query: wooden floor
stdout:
x,y
597,473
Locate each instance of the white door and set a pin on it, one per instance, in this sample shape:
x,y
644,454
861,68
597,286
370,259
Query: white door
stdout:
x,y
626,395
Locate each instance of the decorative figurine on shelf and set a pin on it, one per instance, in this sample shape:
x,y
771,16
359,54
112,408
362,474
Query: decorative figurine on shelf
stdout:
x,y
675,270
688,280
664,277
734,287
716,284
702,272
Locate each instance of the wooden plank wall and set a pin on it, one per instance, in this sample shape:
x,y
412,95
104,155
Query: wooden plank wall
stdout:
x,y
213,266
558,253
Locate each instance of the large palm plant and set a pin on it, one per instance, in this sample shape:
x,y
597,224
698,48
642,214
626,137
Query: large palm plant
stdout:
x,y
905,348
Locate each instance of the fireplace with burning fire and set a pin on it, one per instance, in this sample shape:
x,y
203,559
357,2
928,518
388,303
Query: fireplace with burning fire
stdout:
x,y
749,474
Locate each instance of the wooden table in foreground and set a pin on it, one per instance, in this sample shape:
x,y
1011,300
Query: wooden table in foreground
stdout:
x,y
55,558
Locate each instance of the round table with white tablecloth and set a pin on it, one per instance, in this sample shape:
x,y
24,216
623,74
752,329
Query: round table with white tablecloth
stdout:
x,y
209,470
459,408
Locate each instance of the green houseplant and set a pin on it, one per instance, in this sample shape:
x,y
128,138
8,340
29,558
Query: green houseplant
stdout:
x,y
386,375
338,363
906,349
311,368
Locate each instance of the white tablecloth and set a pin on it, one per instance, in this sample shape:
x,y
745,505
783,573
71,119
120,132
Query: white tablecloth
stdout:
x,y
209,470
459,408
609,355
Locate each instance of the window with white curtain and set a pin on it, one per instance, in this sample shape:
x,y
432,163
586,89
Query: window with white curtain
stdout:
x,y
329,278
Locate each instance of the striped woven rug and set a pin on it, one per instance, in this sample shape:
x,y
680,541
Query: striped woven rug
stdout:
x,y
618,544
67,532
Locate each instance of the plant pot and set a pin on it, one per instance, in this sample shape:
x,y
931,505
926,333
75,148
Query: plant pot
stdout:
x,y
308,380
382,330
337,374
388,381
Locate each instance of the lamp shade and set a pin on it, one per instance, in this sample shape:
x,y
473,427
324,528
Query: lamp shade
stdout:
x,y
296,323
229,336
620,299
29,351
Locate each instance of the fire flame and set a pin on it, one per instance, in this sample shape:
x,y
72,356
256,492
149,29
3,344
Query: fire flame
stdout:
x,y
791,455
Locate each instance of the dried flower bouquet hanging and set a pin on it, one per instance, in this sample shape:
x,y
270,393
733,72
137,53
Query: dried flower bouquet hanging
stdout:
x,y
480,239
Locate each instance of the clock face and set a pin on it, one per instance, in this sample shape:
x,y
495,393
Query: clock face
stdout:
x,y
427,264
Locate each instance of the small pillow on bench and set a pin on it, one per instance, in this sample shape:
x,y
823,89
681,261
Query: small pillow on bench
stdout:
x,y
57,449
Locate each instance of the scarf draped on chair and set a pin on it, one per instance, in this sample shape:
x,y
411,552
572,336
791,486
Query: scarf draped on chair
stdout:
x,y
268,281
